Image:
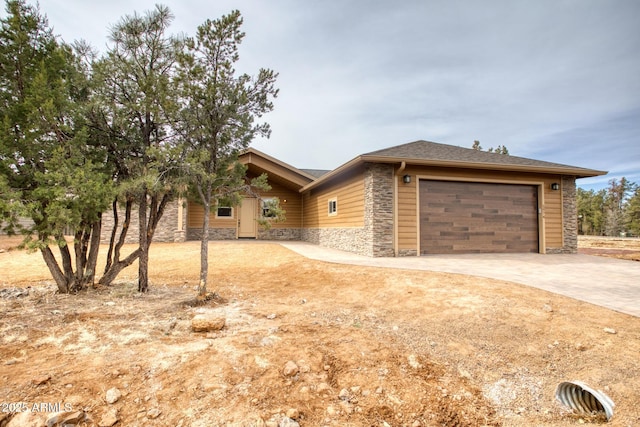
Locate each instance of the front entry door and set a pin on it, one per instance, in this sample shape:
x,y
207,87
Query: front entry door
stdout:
x,y
247,225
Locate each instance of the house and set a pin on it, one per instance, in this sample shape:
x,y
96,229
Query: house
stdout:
x,y
412,199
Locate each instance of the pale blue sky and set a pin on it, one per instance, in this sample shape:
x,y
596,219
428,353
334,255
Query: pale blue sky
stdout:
x,y
552,80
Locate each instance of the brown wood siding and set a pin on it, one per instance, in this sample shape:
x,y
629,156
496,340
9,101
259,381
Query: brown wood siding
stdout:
x,y
195,216
407,224
349,191
293,206
290,201
474,217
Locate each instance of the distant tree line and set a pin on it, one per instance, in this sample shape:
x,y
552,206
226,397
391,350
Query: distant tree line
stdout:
x,y
155,117
500,149
613,211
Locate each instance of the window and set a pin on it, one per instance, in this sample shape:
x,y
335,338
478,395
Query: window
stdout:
x,y
267,203
333,207
224,212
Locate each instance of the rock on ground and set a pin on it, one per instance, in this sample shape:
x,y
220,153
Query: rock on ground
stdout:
x,y
290,369
207,323
113,395
109,418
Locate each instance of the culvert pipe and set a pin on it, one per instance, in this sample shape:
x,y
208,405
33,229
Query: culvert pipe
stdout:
x,y
583,399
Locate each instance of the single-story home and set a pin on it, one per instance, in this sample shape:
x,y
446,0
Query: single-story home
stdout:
x,y
412,199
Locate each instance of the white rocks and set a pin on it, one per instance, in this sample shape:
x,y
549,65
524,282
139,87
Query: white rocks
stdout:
x,y
65,419
109,418
290,369
207,323
610,331
26,419
113,395
288,422
153,413
293,413
413,361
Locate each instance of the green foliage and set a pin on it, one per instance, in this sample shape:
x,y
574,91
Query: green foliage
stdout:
x,y
218,120
48,172
590,211
612,211
156,116
44,158
632,212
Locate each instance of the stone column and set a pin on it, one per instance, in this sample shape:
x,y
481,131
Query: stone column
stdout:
x,y
378,209
569,215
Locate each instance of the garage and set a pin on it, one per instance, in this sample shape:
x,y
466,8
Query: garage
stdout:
x,y
475,217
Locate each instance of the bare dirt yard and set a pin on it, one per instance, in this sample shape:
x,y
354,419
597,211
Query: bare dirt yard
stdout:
x,y
622,247
304,343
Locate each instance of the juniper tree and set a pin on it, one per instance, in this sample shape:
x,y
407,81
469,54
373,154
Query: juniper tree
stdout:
x,y
49,173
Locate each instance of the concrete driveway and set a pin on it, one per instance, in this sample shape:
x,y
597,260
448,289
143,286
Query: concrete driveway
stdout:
x,y
606,282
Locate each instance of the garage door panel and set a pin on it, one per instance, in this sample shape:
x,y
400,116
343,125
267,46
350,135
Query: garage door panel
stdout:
x,y
471,217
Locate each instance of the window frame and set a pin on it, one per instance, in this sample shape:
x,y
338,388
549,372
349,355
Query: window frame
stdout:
x,y
231,212
263,202
332,206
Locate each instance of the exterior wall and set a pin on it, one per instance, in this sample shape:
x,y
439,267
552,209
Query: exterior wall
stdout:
x,y
291,202
279,233
171,228
348,191
345,239
550,201
365,202
219,228
569,218
226,228
344,230
378,216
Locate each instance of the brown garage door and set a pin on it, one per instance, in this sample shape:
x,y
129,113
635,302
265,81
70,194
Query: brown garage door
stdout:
x,y
472,217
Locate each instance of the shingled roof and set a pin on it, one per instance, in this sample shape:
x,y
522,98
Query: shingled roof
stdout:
x,y
425,150
434,154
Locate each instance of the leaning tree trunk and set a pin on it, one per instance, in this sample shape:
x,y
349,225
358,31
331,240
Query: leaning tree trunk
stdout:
x,y
86,246
56,272
114,265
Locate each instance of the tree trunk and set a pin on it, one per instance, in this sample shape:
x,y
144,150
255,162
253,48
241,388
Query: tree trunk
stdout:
x,y
94,246
112,239
115,269
143,260
56,273
204,250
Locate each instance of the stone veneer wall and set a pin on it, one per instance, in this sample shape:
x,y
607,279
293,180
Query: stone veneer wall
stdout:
x,y
279,234
407,252
345,239
214,233
167,230
378,209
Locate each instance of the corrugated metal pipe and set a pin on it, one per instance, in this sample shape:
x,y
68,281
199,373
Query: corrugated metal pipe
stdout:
x,y
583,399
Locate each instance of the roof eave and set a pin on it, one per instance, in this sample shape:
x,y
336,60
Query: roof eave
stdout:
x,y
280,163
329,175
561,170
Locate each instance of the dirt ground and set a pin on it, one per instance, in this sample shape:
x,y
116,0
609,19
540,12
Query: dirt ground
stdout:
x,y
371,346
622,248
